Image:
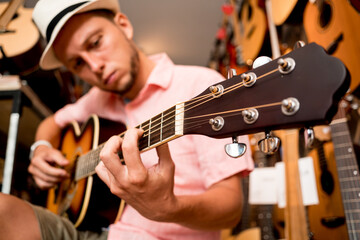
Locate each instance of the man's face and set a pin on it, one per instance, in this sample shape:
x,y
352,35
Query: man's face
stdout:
x,y
99,52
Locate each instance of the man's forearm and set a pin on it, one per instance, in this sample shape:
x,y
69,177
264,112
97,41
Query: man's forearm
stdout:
x,y
49,130
219,207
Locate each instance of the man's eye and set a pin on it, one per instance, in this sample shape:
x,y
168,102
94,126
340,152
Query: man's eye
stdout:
x,y
78,63
96,43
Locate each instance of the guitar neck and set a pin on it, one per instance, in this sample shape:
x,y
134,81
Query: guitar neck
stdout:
x,y
295,217
158,130
348,172
274,41
9,12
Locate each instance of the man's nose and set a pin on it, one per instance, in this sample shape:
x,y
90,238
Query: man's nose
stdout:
x,y
95,63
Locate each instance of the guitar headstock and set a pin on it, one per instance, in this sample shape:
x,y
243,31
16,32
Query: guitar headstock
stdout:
x,y
300,89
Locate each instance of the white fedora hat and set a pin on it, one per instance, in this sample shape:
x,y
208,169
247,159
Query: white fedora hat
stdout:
x,y
51,15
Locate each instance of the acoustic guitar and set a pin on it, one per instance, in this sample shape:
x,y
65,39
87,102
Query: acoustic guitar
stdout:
x,y
19,38
348,171
355,4
268,97
281,10
249,28
333,24
326,218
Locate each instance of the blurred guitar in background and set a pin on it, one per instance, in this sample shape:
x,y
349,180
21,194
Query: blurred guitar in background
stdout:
x,y
19,39
334,25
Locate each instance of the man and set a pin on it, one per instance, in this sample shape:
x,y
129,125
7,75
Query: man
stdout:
x,y
186,189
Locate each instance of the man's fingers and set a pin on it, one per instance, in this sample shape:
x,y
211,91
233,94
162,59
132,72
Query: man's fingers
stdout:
x,y
131,151
165,160
102,173
109,155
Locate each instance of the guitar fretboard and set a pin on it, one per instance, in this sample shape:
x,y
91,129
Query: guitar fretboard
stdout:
x,y
348,172
158,130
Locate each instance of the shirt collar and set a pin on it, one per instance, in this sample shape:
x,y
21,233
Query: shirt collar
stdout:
x,y
163,71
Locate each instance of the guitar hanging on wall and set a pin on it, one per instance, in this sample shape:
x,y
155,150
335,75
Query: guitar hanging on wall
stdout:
x,y
333,24
285,93
348,171
19,39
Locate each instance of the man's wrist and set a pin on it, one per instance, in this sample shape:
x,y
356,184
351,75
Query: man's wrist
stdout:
x,y
37,144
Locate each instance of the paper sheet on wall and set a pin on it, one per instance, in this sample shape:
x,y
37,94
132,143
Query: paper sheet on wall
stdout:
x,y
267,185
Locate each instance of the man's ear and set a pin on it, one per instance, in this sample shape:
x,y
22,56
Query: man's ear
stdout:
x,y
123,22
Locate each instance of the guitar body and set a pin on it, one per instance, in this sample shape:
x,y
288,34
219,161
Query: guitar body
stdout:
x,y
88,203
327,218
252,30
20,42
281,10
249,234
355,4
334,26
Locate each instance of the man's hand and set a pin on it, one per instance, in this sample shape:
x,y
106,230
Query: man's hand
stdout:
x,y
149,191
46,167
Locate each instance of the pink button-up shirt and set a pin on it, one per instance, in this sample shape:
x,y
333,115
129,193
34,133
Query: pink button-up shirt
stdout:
x,y
200,161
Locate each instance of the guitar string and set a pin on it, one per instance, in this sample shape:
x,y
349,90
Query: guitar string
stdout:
x,y
197,101
350,214
227,90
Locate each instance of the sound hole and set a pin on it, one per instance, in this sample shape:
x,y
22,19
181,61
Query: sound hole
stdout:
x,y
325,15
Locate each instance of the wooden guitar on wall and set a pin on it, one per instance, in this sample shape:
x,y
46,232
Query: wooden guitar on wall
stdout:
x,y
348,171
249,28
326,218
273,96
333,24
19,38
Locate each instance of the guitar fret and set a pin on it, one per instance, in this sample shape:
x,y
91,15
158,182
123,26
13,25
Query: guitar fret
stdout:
x,y
351,200
348,179
346,168
155,130
353,211
343,145
352,189
149,133
161,126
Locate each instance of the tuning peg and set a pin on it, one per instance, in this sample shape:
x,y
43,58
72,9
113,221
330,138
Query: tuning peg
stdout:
x,y
261,61
299,44
235,149
230,73
270,144
309,137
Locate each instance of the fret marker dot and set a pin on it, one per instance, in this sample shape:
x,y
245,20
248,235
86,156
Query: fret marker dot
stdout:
x,y
349,150
355,172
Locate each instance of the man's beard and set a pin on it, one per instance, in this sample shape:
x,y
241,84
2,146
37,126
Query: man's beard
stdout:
x,y
134,69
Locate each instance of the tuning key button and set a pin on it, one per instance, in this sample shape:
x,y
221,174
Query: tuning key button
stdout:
x,y
217,123
290,106
299,44
235,149
259,61
230,73
269,145
309,136
217,90
250,115
248,79
286,65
